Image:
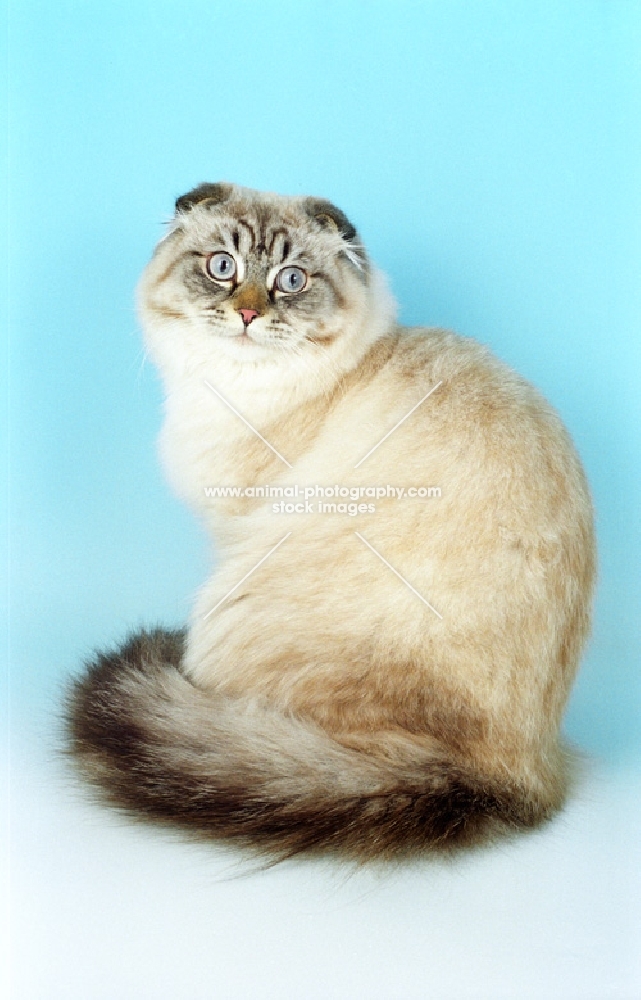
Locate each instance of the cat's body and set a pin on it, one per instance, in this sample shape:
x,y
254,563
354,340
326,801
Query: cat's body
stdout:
x,y
393,679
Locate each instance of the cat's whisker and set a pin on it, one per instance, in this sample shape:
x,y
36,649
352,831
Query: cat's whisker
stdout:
x,y
141,360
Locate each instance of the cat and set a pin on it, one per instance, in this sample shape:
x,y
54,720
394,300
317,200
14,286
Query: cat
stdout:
x,y
377,678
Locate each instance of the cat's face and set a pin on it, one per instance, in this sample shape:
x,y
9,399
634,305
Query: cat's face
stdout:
x,y
257,274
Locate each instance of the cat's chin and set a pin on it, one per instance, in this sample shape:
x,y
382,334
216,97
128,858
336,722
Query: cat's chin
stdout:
x,y
243,345
241,339
263,340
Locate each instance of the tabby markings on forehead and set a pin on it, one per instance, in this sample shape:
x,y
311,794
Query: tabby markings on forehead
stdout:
x,y
250,229
259,242
280,231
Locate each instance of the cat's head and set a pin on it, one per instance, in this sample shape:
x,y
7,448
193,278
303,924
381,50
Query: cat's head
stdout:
x,y
258,277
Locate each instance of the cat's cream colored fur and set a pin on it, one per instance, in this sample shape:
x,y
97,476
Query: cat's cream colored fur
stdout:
x,y
323,673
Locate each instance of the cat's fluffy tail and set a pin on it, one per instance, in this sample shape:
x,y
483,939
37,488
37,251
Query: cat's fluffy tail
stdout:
x,y
235,770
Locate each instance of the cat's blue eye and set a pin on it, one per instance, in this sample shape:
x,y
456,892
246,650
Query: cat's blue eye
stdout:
x,y
221,266
291,279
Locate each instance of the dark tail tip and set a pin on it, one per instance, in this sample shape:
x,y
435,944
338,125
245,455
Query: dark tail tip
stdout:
x,y
89,697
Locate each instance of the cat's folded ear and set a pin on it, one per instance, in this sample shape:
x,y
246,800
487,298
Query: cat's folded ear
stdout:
x,y
328,216
212,193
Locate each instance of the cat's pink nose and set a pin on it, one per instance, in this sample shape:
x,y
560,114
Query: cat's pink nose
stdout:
x,y
248,315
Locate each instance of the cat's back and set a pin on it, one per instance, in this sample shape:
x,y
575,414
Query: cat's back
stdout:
x,y
465,420
470,378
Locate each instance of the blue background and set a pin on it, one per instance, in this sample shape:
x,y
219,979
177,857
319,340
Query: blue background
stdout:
x,y
489,153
